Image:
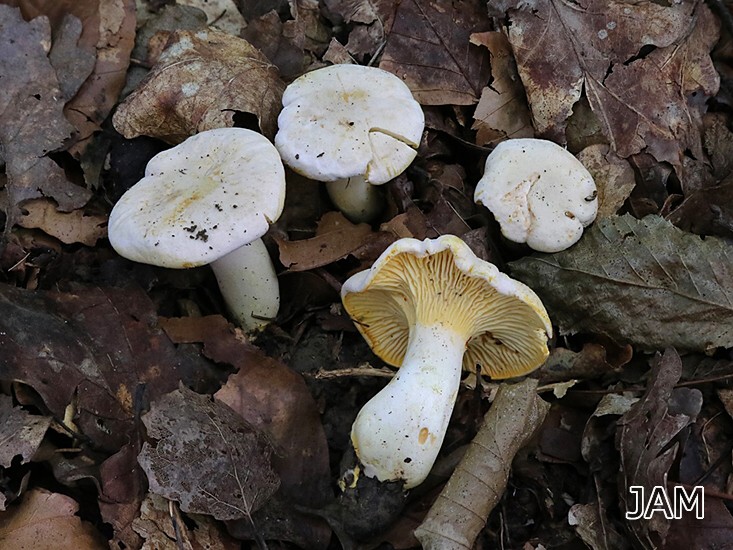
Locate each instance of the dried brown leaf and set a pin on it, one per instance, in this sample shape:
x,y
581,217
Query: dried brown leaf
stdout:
x,y
68,227
108,33
163,528
274,399
502,110
32,124
514,418
428,47
335,239
648,440
202,79
123,488
42,520
206,457
641,100
73,358
614,177
708,211
20,432
221,14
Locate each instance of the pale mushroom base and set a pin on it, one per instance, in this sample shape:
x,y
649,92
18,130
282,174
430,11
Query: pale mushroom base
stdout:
x,y
248,284
397,435
358,200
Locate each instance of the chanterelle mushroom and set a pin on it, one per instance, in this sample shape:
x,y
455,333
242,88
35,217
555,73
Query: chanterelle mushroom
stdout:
x,y
539,193
432,307
208,201
352,126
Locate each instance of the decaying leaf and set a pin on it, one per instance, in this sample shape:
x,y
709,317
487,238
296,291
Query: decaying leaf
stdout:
x,y
107,36
61,344
274,399
479,480
592,526
202,80
708,211
42,520
221,14
123,488
502,111
206,457
336,238
20,432
647,439
32,123
613,176
428,47
163,528
68,227
643,282
638,62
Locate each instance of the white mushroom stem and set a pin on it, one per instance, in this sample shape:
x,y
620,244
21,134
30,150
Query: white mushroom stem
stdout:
x,y
356,199
248,283
398,433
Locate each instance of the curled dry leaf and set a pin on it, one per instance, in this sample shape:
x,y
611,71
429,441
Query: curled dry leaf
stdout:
x,y
336,238
428,47
614,177
221,14
272,398
68,227
202,80
163,528
502,110
107,36
647,440
643,282
562,48
20,432
32,123
42,520
206,457
461,509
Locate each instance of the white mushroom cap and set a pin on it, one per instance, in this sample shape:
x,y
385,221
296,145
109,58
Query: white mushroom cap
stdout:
x,y
210,195
349,120
539,193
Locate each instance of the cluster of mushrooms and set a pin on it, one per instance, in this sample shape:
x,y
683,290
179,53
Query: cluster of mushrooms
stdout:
x,y
430,307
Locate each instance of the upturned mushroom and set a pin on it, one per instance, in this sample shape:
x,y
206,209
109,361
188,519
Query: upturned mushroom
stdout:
x,y
539,193
351,126
433,308
208,201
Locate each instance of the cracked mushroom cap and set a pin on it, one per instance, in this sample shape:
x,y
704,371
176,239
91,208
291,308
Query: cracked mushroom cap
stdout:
x,y
213,193
349,120
442,281
539,193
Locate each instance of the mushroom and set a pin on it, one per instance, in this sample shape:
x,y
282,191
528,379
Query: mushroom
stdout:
x,y
539,193
209,200
432,307
351,126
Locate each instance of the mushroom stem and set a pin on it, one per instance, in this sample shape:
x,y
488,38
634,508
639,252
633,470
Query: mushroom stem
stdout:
x,y
355,198
398,433
248,284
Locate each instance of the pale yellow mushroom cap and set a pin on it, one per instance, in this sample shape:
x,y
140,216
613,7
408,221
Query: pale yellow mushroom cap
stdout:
x,y
442,281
